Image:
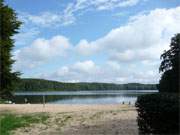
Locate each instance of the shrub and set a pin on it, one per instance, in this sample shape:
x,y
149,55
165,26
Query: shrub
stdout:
x,y
158,113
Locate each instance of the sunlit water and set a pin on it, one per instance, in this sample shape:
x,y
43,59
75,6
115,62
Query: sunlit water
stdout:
x,y
82,97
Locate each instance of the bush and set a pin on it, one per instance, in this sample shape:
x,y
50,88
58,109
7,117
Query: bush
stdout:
x,y
158,113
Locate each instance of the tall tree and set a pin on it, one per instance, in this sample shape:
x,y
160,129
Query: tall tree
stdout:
x,y
9,26
170,67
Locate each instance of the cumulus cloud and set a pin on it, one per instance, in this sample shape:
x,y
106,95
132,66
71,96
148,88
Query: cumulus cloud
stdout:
x,y
26,36
75,72
136,55
144,37
86,48
132,51
40,51
88,71
87,67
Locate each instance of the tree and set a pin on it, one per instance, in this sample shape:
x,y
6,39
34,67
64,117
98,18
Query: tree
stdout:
x,y
9,26
170,67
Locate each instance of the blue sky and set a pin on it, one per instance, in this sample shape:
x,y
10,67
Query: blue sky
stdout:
x,y
117,41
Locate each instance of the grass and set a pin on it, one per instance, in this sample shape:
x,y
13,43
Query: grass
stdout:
x,y
9,122
2,101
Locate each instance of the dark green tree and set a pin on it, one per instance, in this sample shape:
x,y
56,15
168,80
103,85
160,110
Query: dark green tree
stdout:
x,y
9,26
169,67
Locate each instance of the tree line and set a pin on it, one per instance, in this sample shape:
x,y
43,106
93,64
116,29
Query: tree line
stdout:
x,y
47,85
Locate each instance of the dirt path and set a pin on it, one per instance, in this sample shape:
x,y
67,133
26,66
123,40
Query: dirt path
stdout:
x,y
80,120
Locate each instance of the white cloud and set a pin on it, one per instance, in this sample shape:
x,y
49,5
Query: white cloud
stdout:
x,y
40,51
144,37
137,55
67,16
114,65
48,19
63,71
88,71
85,48
26,36
132,51
87,67
77,71
102,4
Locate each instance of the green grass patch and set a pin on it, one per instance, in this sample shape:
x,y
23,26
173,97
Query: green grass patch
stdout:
x,y
9,122
2,101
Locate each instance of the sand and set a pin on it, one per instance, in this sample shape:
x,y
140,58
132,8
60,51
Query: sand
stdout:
x,y
78,119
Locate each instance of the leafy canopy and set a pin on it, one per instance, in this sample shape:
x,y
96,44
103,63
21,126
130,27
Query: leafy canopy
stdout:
x,y
170,67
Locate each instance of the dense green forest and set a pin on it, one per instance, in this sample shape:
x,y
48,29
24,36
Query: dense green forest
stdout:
x,y
46,85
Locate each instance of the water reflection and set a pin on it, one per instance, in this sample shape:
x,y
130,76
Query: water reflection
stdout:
x,y
81,97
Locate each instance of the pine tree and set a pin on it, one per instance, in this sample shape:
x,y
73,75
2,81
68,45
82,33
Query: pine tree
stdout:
x,y
170,67
9,26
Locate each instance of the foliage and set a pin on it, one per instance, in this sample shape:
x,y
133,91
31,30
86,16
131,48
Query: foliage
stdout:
x,y
170,67
2,101
46,85
10,122
8,27
158,113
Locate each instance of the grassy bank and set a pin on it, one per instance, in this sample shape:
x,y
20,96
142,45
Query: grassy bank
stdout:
x,y
9,122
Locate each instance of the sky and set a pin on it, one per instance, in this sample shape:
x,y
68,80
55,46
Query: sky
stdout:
x,y
113,41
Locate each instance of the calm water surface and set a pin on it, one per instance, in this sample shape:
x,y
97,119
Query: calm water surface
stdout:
x,y
82,97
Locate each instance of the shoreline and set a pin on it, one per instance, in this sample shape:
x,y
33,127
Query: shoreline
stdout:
x,y
56,108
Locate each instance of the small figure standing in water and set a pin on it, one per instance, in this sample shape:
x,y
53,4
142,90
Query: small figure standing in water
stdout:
x,y
129,103
123,102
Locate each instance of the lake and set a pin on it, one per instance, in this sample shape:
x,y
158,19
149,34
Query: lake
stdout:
x,y
82,97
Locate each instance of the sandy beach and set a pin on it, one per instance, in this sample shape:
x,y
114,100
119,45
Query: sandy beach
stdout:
x,y
78,119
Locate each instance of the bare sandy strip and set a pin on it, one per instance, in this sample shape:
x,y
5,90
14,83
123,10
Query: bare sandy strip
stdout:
x,y
79,119
55,108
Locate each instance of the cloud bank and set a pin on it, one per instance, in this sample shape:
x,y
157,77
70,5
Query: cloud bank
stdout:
x,y
132,51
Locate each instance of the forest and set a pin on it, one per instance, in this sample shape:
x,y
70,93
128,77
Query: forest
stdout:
x,y
47,85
